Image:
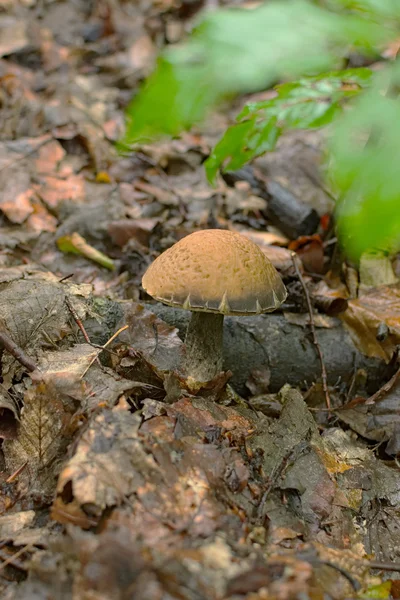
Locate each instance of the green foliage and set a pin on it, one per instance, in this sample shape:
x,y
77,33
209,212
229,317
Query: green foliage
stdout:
x,y
364,150
235,50
377,592
378,10
238,50
308,103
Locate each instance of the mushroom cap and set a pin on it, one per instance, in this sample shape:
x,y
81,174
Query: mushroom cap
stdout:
x,y
215,271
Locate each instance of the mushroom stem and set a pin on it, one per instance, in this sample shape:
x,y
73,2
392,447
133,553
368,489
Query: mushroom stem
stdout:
x,y
204,345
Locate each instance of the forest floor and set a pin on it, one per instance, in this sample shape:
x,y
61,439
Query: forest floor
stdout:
x,y
118,480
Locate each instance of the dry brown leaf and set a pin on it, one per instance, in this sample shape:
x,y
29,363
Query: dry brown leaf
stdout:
x,y
48,157
379,421
100,150
142,53
12,152
303,320
16,196
163,196
157,341
366,313
40,219
14,523
263,577
75,372
106,467
32,304
13,35
67,367
54,56
310,250
41,440
265,238
139,229
281,258
329,300
55,190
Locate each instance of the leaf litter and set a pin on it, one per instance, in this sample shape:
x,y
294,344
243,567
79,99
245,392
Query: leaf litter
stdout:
x,y
118,479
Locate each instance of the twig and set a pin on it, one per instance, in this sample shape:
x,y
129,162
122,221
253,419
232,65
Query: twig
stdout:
x,y
17,352
384,389
77,320
12,560
353,582
103,348
66,277
384,566
16,473
116,334
313,331
80,325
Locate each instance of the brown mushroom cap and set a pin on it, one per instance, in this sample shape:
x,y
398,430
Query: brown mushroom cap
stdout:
x,y
215,271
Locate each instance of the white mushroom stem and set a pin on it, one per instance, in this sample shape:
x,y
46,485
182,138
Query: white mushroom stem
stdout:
x,y
204,345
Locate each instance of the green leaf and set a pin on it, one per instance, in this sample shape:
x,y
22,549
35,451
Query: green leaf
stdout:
x,y
376,9
238,50
308,103
76,244
377,592
172,99
364,168
240,144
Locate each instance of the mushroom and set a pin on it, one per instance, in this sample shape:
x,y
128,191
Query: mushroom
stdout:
x,y
213,273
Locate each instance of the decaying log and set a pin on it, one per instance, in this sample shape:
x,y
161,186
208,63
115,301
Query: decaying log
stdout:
x,y
279,344
283,347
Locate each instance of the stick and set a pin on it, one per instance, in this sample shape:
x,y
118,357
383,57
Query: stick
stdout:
x,y
80,325
313,331
384,389
12,559
384,566
77,320
112,338
16,473
7,343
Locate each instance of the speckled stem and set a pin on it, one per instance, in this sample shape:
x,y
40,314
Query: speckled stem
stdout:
x,y
204,345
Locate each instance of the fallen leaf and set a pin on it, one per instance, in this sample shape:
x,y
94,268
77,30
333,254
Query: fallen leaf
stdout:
x,y
14,523
139,229
379,421
55,190
13,35
163,196
310,249
159,343
41,440
76,244
142,53
102,471
265,238
16,196
48,157
329,300
366,313
40,219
